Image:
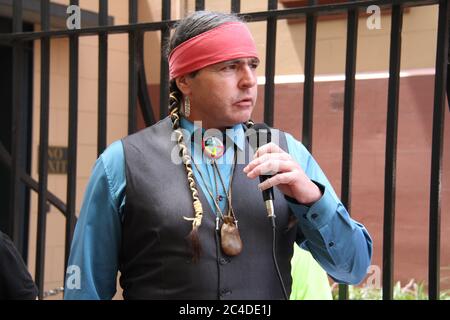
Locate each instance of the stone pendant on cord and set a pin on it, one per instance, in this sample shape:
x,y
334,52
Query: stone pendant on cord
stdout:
x,y
230,238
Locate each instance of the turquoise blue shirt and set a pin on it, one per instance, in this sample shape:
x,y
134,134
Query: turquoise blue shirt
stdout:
x,y
341,245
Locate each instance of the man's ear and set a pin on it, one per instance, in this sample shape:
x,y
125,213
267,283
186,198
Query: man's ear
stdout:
x,y
183,84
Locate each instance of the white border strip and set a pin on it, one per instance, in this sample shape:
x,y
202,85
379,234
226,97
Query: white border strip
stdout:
x,y
300,78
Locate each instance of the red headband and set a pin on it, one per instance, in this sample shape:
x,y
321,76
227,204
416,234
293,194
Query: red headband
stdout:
x,y
231,40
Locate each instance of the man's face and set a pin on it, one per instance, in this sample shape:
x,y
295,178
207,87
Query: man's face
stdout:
x,y
223,94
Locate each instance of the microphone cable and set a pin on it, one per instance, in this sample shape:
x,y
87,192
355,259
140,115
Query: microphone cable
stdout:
x,y
268,197
274,254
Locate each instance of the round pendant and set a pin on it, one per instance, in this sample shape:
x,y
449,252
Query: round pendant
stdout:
x,y
213,147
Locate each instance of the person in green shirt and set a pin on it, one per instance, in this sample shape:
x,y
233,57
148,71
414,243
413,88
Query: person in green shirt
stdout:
x,y
309,280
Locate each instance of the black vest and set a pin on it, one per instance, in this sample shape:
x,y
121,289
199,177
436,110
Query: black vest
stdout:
x,y
155,259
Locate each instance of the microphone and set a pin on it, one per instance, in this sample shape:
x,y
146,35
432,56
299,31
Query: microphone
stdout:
x,y
264,136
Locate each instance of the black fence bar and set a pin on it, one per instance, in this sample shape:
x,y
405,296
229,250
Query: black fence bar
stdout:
x,y
5,38
436,151
391,151
251,16
102,78
5,158
72,148
235,6
269,88
448,77
132,67
144,99
349,106
199,5
17,102
324,9
308,88
164,81
43,149
448,84
17,16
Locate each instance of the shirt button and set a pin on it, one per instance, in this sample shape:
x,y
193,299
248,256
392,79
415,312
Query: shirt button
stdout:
x,y
224,261
220,198
314,215
331,243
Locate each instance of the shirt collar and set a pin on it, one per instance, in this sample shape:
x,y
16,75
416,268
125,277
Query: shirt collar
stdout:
x,y
235,134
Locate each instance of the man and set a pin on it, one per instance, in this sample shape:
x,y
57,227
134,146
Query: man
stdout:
x,y
182,217
15,280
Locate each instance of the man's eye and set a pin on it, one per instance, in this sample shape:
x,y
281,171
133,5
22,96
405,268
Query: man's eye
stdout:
x,y
230,67
254,65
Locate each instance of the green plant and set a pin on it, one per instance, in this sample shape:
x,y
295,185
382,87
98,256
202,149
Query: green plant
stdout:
x,y
411,291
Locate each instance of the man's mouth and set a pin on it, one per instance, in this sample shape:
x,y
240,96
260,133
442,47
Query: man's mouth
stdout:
x,y
244,103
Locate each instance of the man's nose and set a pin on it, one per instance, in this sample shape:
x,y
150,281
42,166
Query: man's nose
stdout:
x,y
248,77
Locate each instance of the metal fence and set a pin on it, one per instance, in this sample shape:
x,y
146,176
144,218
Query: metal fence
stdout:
x,y
138,92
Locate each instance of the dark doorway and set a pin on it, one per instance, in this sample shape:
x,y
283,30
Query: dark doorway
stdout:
x,y
6,108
